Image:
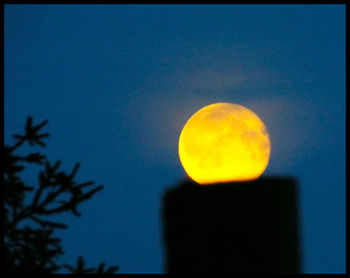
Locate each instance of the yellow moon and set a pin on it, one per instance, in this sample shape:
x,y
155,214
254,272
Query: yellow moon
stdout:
x,y
224,142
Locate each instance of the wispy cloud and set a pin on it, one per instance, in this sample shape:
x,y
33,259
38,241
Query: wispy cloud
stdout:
x,y
173,97
215,80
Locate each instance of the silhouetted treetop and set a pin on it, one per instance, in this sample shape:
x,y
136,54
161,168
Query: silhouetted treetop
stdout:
x,y
30,246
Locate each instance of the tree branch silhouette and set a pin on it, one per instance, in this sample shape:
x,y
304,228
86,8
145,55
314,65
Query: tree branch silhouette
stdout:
x,y
30,246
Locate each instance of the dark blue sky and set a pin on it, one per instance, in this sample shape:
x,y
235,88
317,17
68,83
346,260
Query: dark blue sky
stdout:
x,y
118,82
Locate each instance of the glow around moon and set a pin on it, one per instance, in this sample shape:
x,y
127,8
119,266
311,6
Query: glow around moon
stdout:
x,y
224,142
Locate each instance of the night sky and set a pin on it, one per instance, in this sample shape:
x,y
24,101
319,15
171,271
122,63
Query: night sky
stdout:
x,y
118,82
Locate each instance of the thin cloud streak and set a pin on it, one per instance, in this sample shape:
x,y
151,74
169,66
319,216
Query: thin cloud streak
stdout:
x,y
287,119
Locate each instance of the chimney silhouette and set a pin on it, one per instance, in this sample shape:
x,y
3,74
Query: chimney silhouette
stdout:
x,y
237,227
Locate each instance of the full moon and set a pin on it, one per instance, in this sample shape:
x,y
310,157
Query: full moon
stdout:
x,y
224,142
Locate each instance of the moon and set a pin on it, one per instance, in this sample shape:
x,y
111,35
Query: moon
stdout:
x,y
224,142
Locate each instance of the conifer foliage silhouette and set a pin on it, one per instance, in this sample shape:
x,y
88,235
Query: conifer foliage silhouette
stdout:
x,y
29,242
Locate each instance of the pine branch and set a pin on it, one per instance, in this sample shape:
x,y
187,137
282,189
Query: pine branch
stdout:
x,y
35,250
46,223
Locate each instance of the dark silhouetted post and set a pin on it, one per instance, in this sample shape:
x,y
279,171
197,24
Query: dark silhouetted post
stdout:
x,y
238,227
